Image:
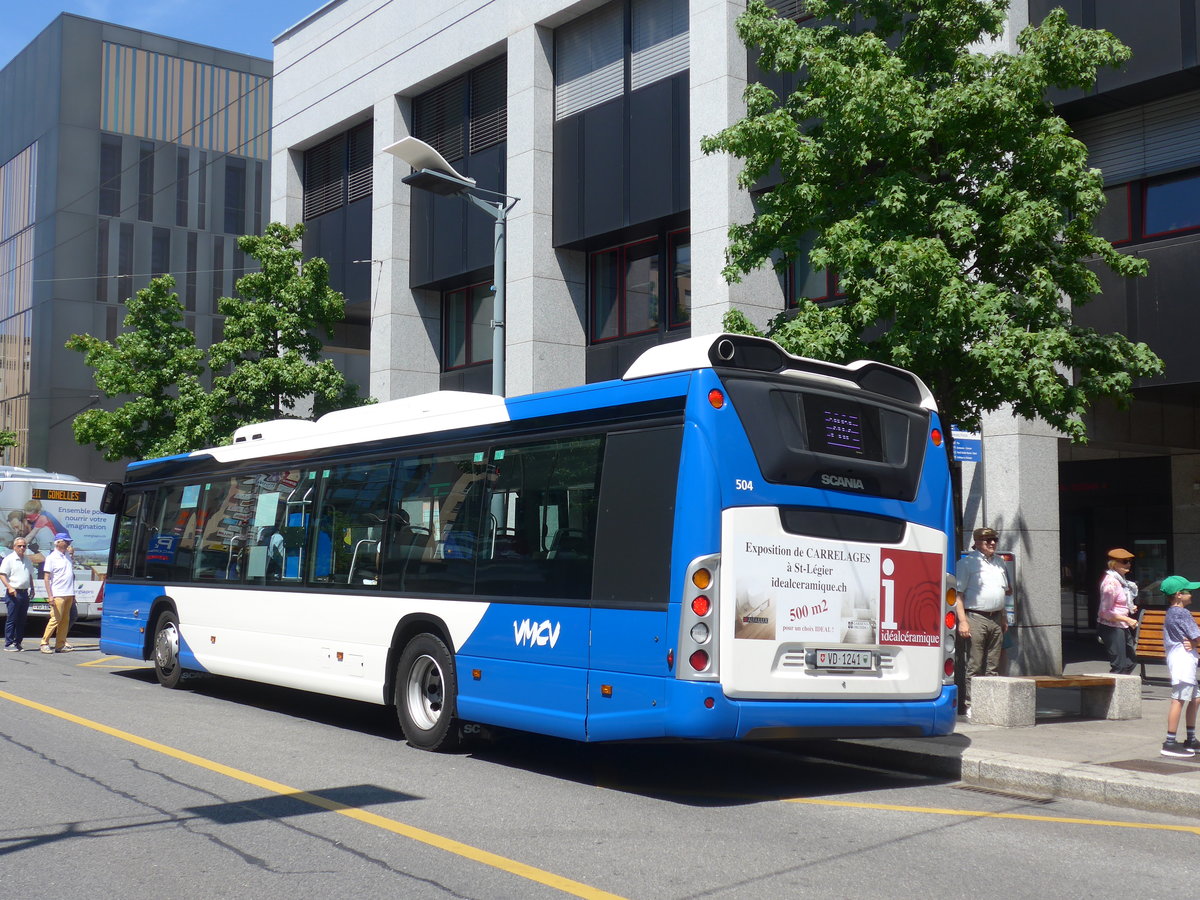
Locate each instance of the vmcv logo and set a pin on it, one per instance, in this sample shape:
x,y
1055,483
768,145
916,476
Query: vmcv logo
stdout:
x,y
843,482
539,634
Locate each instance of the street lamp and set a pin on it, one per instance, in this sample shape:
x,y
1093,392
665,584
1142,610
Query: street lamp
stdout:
x,y
432,173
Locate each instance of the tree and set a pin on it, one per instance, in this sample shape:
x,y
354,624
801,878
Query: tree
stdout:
x,y
271,352
269,359
955,207
157,364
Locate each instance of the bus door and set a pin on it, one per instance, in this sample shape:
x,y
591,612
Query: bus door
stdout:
x,y
526,520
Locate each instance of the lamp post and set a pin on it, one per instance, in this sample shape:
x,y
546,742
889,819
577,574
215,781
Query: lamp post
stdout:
x,y
432,173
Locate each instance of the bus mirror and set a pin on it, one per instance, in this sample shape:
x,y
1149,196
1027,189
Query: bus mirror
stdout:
x,y
112,501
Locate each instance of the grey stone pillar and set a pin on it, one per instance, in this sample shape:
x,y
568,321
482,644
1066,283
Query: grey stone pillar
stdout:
x,y
717,82
545,288
405,324
1014,489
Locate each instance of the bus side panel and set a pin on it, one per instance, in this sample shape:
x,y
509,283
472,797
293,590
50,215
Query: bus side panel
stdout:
x,y
525,666
626,690
124,621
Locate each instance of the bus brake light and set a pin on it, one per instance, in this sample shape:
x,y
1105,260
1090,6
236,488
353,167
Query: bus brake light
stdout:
x,y
701,605
948,667
716,398
951,620
936,436
699,660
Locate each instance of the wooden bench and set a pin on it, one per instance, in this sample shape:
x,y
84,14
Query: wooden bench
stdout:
x,y
1150,636
1012,701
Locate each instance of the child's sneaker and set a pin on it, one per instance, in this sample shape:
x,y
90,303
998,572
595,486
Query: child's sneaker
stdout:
x,y
1178,750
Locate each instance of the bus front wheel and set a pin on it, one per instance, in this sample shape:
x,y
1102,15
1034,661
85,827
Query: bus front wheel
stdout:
x,y
426,694
166,650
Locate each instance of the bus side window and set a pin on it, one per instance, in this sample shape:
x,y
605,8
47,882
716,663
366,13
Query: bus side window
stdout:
x,y
130,535
541,512
348,537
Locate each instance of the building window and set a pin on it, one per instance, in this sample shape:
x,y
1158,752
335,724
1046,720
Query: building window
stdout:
x,y
235,196
466,115
591,52
806,283
146,181
1171,205
110,175
626,287
338,171
467,326
182,164
102,260
160,252
680,299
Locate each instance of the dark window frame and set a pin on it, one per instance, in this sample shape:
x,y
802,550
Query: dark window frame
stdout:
x,y
622,251
472,359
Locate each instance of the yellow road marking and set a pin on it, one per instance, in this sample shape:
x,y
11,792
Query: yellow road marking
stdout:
x,y
106,662
531,873
983,814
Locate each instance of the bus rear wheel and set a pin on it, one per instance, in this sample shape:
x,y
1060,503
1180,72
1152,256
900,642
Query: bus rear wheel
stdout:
x,y
166,650
427,694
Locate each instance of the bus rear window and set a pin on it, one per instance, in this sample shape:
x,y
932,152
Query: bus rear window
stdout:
x,y
826,439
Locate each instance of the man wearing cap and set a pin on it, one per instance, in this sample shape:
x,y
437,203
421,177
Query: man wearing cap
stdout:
x,y
59,569
982,619
1115,620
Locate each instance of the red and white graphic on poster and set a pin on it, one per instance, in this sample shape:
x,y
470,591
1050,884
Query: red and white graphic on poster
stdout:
x,y
910,598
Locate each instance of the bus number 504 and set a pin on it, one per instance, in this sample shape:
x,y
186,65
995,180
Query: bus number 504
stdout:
x,y
744,485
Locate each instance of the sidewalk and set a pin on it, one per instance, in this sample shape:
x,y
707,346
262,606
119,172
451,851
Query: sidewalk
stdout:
x,y
1112,762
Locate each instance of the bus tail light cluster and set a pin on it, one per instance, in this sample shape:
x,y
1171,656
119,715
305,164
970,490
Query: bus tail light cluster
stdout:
x,y
950,630
699,619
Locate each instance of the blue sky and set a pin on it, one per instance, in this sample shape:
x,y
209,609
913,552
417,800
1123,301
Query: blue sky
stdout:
x,y
245,26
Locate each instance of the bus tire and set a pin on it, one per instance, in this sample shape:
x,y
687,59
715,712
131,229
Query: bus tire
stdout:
x,y
427,694
166,650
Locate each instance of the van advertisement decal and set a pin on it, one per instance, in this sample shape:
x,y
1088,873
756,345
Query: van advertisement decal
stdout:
x,y
801,589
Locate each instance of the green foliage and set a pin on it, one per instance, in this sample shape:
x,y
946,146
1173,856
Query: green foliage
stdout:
x,y
8,439
268,360
271,353
955,206
155,362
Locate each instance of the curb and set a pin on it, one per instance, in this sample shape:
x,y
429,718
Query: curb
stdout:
x,y
1021,774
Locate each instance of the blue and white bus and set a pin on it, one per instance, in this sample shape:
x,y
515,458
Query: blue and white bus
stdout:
x,y
728,543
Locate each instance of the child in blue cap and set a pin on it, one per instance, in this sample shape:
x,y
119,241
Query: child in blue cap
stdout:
x,y
1181,638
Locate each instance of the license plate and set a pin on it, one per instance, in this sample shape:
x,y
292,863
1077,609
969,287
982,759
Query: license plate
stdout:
x,y
39,607
841,659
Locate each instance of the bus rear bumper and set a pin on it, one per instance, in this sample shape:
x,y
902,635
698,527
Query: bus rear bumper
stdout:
x,y
800,719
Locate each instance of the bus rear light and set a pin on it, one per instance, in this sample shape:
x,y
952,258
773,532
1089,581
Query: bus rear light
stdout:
x,y
670,660
948,667
699,640
936,436
951,620
951,596
709,702
716,398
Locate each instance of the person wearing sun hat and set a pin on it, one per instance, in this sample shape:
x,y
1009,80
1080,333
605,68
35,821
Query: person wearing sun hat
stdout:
x,y
1181,639
59,570
1115,620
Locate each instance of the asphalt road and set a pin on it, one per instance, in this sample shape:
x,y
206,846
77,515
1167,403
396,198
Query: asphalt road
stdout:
x,y
111,786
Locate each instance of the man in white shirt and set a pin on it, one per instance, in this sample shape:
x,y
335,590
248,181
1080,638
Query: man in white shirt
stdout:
x,y
59,569
16,574
982,619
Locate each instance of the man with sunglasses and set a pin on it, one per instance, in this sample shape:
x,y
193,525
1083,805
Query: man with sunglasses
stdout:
x,y
16,574
982,618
